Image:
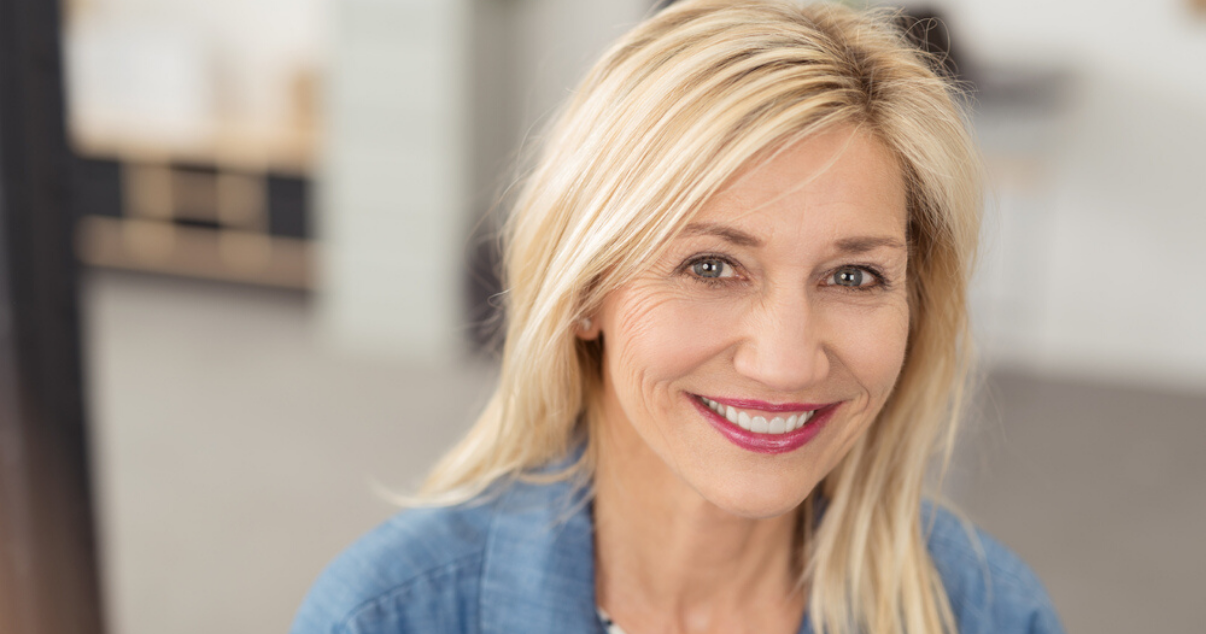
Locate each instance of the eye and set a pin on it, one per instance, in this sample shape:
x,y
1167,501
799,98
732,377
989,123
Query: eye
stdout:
x,y
854,277
711,268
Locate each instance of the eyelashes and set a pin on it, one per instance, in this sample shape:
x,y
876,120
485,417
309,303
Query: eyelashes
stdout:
x,y
717,270
711,269
852,277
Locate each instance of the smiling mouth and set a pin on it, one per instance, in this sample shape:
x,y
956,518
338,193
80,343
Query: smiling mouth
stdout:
x,y
757,423
787,427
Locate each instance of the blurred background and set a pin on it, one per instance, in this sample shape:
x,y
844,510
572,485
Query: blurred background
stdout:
x,y
283,210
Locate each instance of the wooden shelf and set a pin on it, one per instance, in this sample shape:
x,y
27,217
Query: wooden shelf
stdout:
x,y
195,220
245,148
219,254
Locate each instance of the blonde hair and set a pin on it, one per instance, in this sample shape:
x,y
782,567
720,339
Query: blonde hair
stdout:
x,y
667,116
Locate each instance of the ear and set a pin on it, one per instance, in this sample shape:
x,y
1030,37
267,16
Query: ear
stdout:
x,y
587,328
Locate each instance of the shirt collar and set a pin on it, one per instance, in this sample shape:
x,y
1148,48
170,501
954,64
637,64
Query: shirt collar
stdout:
x,y
538,574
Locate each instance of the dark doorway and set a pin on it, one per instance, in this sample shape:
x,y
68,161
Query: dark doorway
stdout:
x,y
48,566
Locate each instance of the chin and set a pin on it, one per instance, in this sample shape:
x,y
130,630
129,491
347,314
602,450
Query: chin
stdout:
x,y
756,501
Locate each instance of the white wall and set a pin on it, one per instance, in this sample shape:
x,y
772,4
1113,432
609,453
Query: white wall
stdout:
x,y
558,42
1096,265
1160,40
392,207
422,127
179,64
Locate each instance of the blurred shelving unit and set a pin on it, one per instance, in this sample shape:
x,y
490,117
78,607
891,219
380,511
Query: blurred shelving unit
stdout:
x,y
178,170
198,215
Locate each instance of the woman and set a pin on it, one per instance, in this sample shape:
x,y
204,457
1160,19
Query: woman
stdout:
x,y
736,337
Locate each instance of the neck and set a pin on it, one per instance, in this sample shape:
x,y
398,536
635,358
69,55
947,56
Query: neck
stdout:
x,y
669,560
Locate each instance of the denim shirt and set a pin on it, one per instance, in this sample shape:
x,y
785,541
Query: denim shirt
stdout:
x,y
522,562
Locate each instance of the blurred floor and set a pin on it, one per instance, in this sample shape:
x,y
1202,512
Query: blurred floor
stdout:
x,y
1101,489
235,457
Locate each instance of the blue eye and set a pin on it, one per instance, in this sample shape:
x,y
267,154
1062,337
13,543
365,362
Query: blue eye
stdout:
x,y
711,268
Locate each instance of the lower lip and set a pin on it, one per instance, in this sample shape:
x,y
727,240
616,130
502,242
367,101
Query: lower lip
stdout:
x,y
767,443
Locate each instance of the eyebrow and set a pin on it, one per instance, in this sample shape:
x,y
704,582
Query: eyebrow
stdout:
x,y
868,243
737,237
856,245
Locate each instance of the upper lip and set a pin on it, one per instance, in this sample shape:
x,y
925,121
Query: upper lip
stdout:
x,y
764,406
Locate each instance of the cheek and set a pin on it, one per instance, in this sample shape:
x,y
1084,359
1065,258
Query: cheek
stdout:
x,y
653,339
873,346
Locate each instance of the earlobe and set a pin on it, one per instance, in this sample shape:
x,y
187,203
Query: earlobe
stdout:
x,y
587,329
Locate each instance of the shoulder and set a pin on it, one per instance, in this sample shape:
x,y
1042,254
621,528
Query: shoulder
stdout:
x,y
991,589
517,559
415,573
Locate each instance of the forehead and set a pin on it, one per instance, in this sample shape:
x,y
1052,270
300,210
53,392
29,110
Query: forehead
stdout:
x,y
843,181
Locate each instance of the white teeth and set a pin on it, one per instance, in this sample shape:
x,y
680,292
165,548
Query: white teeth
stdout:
x,y
759,424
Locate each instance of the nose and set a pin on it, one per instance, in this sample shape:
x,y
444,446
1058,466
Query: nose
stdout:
x,y
783,346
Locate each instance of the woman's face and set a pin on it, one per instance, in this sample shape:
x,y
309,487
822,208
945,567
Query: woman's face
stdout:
x,y
746,361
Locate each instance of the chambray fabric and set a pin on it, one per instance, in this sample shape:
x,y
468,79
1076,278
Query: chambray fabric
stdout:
x,y
522,562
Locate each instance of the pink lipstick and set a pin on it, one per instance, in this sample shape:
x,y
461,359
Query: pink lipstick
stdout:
x,y
767,443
